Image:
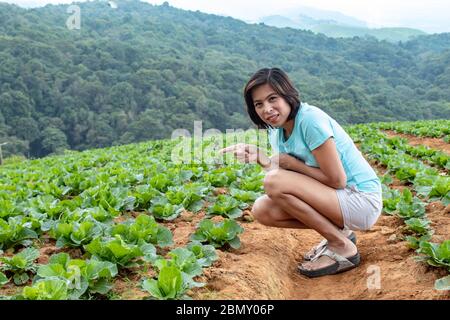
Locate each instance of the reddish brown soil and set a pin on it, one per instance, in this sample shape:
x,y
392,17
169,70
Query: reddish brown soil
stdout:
x,y
265,266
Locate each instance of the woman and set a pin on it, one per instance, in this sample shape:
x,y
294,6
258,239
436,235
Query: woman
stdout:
x,y
317,180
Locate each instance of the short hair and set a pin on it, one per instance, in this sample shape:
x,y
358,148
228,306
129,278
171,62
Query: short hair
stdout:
x,y
280,82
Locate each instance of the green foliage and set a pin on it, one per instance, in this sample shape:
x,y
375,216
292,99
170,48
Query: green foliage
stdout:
x,y
418,226
219,234
14,231
414,242
391,197
110,91
435,254
116,250
20,264
74,234
109,198
162,209
205,254
189,196
144,229
226,206
46,289
82,277
3,279
409,206
184,259
169,285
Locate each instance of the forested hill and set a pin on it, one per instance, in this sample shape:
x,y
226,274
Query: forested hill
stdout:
x,y
139,71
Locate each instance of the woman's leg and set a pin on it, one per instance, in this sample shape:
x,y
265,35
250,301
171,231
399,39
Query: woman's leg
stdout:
x,y
314,205
267,212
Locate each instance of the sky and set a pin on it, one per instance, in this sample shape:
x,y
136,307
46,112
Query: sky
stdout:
x,y
431,16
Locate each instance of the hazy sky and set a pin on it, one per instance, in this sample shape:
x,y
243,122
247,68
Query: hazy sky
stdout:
x,y
430,15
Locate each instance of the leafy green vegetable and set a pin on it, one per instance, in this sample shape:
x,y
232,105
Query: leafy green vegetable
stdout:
x,y
220,177
76,234
20,264
81,276
118,251
226,206
437,255
419,226
224,232
391,197
14,231
164,210
414,242
46,289
144,229
205,254
183,259
3,279
247,197
409,206
170,284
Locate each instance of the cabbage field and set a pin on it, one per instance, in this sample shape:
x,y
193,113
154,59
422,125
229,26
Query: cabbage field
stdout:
x,y
128,222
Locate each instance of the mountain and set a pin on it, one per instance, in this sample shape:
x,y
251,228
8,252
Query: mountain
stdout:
x,y
323,15
388,34
336,25
139,72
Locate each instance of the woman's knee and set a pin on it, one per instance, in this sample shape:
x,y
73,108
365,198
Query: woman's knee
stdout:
x,y
272,182
261,210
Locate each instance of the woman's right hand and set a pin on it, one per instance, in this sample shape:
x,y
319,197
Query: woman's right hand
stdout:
x,y
248,153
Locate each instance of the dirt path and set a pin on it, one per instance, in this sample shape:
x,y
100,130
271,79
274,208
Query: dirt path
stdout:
x,y
265,266
434,143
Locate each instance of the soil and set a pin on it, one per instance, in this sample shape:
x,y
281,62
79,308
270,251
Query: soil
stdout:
x,y
265,265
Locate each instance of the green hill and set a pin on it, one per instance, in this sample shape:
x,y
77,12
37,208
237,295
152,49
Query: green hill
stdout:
x,y
140,71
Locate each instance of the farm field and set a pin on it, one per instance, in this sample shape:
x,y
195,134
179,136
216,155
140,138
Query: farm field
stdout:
x,y
127,222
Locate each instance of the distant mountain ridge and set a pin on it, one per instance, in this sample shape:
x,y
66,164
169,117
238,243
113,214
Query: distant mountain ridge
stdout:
x,y
336,25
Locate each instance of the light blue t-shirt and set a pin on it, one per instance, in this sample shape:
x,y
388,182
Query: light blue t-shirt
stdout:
x,y
311,129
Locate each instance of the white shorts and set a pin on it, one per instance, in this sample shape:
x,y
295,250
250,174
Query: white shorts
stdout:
x,y
360,210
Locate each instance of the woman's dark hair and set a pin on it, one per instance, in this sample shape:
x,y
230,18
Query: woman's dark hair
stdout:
x,y
280,82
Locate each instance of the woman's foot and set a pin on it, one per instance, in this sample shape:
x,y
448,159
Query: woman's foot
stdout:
x,y
313,252
345,249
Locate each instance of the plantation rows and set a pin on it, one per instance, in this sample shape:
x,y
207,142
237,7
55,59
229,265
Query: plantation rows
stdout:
x,y
112,204
426,182
424,128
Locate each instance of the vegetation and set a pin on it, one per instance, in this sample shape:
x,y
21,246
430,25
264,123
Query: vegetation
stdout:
x,y
140,71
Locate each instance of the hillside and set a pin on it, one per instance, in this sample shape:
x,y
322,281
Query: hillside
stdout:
x,y
140,71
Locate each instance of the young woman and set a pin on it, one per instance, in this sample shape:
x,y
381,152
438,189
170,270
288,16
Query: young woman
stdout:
x,y
317,179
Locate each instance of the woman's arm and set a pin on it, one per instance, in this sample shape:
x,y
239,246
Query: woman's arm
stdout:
x,y
330,171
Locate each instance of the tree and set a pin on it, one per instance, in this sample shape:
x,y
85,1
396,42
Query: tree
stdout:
x,y
53,140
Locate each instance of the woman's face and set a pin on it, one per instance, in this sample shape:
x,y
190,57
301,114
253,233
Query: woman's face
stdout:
x,y
270,107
